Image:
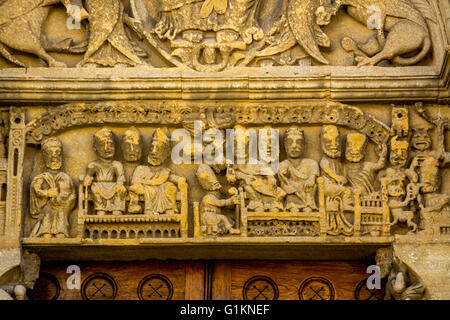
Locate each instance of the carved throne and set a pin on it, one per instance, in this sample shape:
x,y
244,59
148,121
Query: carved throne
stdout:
x,y
131,226
371,212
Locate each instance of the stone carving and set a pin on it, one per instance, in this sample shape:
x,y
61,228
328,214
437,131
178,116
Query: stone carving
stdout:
x,y
26,18
217,35
401,29
132,145
361,175
105,177
155,182
52,195
109,45
401,285
298,176
258,181
341,195
336,193
212,221
427,163
393,182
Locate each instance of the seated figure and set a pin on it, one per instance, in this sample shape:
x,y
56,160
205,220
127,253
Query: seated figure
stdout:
x,y
211,218
258,180
106,176
335,189
52,194
298,176
155,182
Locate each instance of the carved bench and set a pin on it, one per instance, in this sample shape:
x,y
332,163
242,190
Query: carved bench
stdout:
x,y
131,226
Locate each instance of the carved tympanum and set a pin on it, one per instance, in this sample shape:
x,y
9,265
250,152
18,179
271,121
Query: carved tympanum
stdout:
x,y
217,35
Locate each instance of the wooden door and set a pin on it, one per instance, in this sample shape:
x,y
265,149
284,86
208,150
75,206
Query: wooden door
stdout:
x,y
207,280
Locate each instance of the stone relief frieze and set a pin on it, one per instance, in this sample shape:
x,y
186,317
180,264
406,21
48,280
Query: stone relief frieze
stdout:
x,y
216,35
325,186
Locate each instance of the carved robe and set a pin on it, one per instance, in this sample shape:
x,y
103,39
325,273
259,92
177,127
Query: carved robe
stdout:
x,y
179,16
211,214
362,175
107,177
108,43
334,190
299,182
261,189
159,190
52,211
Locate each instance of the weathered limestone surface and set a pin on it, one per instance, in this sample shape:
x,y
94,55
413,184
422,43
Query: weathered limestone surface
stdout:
x,y
93,95
431,263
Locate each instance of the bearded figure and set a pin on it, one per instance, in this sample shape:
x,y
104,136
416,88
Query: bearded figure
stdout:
x,y
155,182
52,195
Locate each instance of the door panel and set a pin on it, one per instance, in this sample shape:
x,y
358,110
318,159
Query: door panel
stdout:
x,y
198,280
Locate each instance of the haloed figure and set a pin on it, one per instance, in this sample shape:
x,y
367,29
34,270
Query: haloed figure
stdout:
x,y
52,194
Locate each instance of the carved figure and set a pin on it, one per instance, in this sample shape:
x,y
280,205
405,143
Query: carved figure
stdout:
x,y
106,176
401,285
335,181
212,221
132,145
401,29
393,181
362,174
109,45
25,18
259,181
298,176
156,183
427,163
52,195
236,25
400,121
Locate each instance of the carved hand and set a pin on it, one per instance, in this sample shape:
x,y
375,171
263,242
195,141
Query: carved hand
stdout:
x,y
120,189
52,192
88,181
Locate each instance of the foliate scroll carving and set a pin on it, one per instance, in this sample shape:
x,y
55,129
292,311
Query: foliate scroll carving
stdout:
x,y
77,115
217,35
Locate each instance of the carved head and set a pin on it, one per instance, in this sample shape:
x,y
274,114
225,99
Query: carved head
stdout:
x,y
325,12
104,143
330,138
394,182
399,152
421,139
160,148
384,260
294,142
355,147
132,145
52,149
207,178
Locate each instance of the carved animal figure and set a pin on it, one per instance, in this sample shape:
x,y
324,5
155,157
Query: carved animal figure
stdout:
x,y
25,18
401,30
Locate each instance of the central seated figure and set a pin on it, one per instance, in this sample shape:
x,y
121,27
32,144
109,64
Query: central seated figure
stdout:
x,y
155,182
